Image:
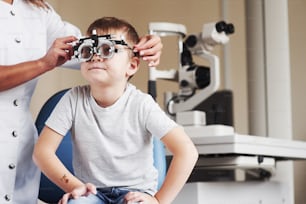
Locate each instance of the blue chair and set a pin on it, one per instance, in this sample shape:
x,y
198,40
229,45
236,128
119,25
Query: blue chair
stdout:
x,y
48,191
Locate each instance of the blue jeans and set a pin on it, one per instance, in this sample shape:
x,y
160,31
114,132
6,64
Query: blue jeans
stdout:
x,y
111,195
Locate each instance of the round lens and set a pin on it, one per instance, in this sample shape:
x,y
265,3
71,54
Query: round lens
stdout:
x,y
106,49
85,52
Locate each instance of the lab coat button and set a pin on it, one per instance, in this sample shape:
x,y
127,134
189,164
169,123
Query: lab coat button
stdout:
x,y
12,13
17,40
12,166
7,197
16,102
14,133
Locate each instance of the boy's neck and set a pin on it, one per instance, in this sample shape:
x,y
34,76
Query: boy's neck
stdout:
x,y
107,96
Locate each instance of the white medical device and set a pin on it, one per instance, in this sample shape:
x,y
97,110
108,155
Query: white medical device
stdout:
x,y
223,152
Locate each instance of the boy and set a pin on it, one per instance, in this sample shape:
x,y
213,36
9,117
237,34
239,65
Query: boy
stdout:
x,y
112,125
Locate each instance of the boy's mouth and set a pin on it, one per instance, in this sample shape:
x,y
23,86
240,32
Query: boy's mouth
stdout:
x,y
95,66
92,68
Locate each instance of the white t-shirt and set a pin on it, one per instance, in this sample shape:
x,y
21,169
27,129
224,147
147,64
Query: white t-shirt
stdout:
x,y
112,146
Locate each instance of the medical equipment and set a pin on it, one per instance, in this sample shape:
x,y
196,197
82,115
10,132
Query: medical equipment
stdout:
x,y
102,45
231,162
190,76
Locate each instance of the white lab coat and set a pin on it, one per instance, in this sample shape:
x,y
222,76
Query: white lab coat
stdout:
x,y
26,32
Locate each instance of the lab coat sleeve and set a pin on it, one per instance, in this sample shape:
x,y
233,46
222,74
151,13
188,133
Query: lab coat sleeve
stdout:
x,y
57,28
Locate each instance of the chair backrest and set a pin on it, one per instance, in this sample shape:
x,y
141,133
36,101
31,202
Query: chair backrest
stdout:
x,y
48,191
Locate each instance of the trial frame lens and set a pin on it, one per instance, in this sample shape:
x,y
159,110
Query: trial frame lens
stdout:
x,y
105,49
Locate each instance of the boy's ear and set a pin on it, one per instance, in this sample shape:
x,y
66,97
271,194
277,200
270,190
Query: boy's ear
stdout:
x,y
134,66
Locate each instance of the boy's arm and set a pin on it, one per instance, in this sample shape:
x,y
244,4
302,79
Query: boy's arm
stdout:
x,y
45,158
184,158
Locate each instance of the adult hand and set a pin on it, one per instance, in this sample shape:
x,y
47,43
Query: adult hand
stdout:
x,y
58,53
149,48
140,198
84,190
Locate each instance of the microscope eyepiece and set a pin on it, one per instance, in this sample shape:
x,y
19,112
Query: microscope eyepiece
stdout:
x,y
191,41
228,28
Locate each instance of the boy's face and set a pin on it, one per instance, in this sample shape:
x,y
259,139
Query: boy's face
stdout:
x,y
114,70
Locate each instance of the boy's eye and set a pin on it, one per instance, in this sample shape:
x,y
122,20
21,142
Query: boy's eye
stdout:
x,y
106,50
86,52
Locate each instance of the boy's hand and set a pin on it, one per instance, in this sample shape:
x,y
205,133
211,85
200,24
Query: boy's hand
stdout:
x,y
140,198
84,190
149,48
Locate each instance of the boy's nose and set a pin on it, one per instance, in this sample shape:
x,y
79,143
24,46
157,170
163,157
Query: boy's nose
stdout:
x,y
96,58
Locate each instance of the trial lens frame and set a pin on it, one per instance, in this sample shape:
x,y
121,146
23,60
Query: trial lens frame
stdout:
x,y
92,42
